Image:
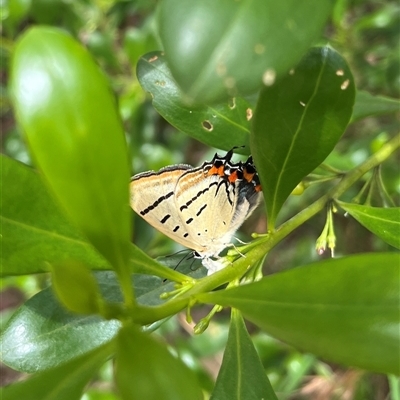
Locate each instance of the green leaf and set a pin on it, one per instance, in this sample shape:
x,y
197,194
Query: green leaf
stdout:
x,y
223,125
68,114
42,334
345,310
219,48
145,369
298,121
65,382
76,287
242,375
35,233
367,105
383,222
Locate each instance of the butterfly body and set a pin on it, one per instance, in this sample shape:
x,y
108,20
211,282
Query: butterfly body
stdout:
x,y
200,208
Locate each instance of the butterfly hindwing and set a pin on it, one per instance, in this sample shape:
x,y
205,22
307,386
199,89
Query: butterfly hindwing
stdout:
x,y
206,209
152,197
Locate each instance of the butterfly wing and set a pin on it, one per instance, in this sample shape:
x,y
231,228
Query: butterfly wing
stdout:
x,y
152,197
207,210
214,200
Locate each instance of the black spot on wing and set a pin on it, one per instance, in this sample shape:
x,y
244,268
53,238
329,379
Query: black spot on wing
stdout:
x,y
201,210
200,193
165,219
156,203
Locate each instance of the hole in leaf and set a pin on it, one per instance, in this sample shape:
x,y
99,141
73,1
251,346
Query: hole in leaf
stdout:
x,y
207,125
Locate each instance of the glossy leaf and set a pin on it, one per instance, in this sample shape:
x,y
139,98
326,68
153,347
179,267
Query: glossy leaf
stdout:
x,y
213,53
65,382
145,369
36,234
223,125
298,121
242,376
345,310
367,105
383,222
69,116
76,287
43,334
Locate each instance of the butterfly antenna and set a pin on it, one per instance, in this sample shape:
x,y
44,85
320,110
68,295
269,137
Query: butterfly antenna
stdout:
x,y
188,256
177,252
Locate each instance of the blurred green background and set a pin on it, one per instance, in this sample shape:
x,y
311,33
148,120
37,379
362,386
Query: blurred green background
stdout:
x,y
117,33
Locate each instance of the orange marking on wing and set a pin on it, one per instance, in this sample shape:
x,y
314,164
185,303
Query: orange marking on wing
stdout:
x,y
258,188
247,176
233,177
213,171
216,171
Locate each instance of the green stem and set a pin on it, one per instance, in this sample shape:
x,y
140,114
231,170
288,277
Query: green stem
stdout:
x,y
262,246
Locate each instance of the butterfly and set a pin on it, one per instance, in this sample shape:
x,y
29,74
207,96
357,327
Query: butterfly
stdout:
x,y
199,207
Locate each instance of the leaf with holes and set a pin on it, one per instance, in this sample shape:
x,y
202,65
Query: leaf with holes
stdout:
x,y
222,125
219,48
298,121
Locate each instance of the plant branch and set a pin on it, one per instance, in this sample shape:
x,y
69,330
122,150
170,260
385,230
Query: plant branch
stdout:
x,y
259,248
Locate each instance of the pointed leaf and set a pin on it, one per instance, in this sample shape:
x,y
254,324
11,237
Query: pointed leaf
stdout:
x,y
68,114
242,375
345,310
298,121
146,370
65,382
367,105
383,222
222,125
218,48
